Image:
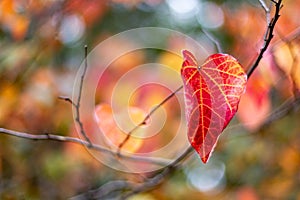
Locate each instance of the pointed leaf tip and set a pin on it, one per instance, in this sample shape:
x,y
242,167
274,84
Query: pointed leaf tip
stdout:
x,y
205,158
212,95
189,58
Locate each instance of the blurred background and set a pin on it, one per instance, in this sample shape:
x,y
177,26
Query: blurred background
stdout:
x,y
41,49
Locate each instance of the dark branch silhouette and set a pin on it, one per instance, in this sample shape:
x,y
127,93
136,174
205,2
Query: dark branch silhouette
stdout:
x,y
268,36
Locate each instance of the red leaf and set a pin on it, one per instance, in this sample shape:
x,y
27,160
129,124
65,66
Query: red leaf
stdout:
x,y
212,94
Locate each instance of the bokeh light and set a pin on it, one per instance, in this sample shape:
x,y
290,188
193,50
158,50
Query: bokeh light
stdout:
x,y
210,15
72,29
183,9
208,178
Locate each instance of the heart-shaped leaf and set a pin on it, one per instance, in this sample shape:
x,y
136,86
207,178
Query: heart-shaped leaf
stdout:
x,y
212,94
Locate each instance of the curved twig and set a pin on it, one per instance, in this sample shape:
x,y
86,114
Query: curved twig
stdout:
x,y
77,105
143,122
58,138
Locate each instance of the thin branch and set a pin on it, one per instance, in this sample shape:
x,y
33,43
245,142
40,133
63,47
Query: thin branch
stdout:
x,y
264,6
160,176
295,60
267,10
67,99
293,73
112,188
150,183
77,104
214,40
144,121
268,36
289,37
292,104
59,138
129,188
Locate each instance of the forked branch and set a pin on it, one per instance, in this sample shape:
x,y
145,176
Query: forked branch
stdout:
x,y
77,104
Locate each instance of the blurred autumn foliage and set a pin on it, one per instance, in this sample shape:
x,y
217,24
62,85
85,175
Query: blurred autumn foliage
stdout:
x,y
41,49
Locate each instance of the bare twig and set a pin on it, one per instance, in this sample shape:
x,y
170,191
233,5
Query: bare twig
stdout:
x,y
77,104
214,40
289,37
143,122
268,36
293,73
295,60
112,188
267,10
67,99
264,6
129,188
292,104
104,191
59,138
160,176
